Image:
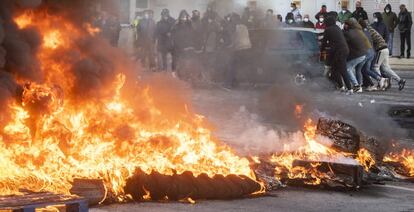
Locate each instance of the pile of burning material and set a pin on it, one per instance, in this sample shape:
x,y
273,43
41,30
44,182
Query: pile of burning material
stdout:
x,y
349,161
87,123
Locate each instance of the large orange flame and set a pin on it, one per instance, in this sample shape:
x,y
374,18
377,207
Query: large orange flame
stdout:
x,y
52,139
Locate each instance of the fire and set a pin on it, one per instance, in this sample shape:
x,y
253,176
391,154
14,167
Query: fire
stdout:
x,y
53,138
405,158
365,159
313,150
298,110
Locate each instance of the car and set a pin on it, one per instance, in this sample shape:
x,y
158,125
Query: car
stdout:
x,y
280,55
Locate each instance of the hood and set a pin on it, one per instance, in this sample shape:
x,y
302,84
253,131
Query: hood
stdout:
x,y
379,16
388,6
330,21
353,24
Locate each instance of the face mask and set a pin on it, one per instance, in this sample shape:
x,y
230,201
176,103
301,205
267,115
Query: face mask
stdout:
x,y
321,20
292,8
387,11
343,10
375,19
306,19
184,19
290,21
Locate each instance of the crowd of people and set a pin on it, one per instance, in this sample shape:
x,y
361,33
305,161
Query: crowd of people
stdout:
x,y
358,52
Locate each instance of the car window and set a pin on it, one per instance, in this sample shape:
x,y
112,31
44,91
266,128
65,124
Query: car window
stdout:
x,y
286,40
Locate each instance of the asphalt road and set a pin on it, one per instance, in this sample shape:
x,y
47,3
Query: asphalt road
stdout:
x,y
389,198
235,115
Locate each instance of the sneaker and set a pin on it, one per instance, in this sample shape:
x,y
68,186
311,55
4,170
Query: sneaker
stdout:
x,y
382,83
357,89
388,84
371,88
401,84
343,89
349,92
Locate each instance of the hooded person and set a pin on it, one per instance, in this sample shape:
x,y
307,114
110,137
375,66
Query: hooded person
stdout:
x,y
337,52
163,37
404,25
359,12
381,62
358,45
182,35
146,39
380,26
198,28
391,21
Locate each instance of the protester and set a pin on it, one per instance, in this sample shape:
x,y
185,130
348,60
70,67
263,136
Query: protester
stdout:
x,y
270,21
280,18
382,58
290,20
358,45
359,12
210,35
146,31
337,52
380,27
115,30
197,25
323,12
163,36
320,24
405,23
227,28
182,35
391,21
241,43
344,15
307,23
367,72
249,18
294,9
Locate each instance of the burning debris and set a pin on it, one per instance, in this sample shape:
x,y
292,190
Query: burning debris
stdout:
x,y
351,160
81,115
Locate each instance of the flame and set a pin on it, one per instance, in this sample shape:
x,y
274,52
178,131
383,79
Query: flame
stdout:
x,y
313,151
405,158
52,138
298,110
365,159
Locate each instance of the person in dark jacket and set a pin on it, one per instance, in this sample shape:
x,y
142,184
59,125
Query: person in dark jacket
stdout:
x,y
380,26
146,32
323,12
163,36
307,23
290,20
270,21
405,23
197,25
391,21
359,12
182,35
337,53
358,45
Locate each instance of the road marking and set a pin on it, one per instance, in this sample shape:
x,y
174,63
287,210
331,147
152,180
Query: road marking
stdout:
x,y
396,187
